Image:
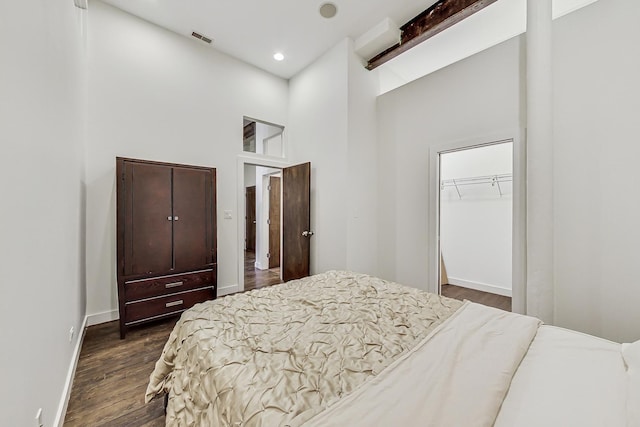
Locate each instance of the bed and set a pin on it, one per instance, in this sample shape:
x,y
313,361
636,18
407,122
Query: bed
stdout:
x,y
347,349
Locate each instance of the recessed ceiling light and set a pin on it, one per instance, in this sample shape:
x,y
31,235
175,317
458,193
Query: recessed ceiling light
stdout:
x,y
328,10
278,56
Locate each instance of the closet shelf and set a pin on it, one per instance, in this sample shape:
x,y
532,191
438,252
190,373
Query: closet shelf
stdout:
x,y
493,180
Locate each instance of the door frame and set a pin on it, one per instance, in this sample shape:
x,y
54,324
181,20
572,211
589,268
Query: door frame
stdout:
x,y
269,181
252,160
262,261
248,225
518,240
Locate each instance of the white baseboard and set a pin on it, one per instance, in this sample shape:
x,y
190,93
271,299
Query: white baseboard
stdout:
x,y
66,391
104,317
90,320
492,289
226,290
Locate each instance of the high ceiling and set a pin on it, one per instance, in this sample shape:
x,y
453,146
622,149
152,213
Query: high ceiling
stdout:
x,y
253,30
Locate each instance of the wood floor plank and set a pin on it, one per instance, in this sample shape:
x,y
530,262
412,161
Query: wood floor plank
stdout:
x,y
492,300
112,376
255,278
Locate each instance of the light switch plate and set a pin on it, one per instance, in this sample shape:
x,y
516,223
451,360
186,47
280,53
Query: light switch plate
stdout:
x,y
227,214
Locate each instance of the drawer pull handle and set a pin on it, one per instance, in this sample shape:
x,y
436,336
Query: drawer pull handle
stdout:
x,y
174,303
173,285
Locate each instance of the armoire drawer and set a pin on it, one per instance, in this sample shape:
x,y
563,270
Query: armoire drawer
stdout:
x,y
157,286
150,308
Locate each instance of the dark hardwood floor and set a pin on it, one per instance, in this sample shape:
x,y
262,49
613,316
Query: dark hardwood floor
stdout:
x,y
492,300
255,278
112,376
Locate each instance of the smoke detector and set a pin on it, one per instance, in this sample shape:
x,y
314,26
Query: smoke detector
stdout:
x,y
328,10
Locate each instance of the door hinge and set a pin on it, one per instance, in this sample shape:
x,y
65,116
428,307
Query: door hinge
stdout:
x,y
268,221
268,187
268,255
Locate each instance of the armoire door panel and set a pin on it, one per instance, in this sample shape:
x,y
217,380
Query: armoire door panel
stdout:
x,y
148,225
192,211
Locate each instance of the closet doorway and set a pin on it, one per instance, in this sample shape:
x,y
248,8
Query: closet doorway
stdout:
x,y
476,194
477,222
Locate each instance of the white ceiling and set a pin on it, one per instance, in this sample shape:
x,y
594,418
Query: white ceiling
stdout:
x,y
253,30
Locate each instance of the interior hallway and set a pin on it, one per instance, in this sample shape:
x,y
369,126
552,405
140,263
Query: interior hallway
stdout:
x,y
255,278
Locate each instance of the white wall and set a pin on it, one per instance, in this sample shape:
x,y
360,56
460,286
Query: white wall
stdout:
x,y
332,124
596,173
249,175
595,107
318,117
362,168
159,96
42,86
475,226
488,27
473,98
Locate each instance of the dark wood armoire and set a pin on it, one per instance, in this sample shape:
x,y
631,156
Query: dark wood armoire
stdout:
x,y
166,237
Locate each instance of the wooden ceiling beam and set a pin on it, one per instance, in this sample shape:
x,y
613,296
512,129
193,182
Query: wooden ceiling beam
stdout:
x,y
440,16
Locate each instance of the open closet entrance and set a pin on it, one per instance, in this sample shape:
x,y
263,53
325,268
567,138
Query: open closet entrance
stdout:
x,y
477,222
476,195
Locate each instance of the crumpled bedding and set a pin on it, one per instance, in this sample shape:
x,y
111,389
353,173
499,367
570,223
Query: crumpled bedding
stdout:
x,y
278,356
458,375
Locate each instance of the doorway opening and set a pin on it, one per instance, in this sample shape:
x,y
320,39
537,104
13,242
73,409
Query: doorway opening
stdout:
x,y
278,248
294,221
476,195
263,225
477,222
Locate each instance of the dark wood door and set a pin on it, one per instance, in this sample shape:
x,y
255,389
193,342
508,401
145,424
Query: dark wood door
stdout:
x,y
192,218
250,219
296,189
148,225
274,222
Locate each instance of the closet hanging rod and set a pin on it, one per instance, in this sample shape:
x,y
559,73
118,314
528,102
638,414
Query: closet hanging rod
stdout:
x,y
488,179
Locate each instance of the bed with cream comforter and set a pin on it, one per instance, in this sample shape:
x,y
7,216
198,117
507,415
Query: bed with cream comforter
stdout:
x,y
341,349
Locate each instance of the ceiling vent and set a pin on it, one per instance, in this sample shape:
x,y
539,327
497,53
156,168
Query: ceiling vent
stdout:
x,y
201,37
